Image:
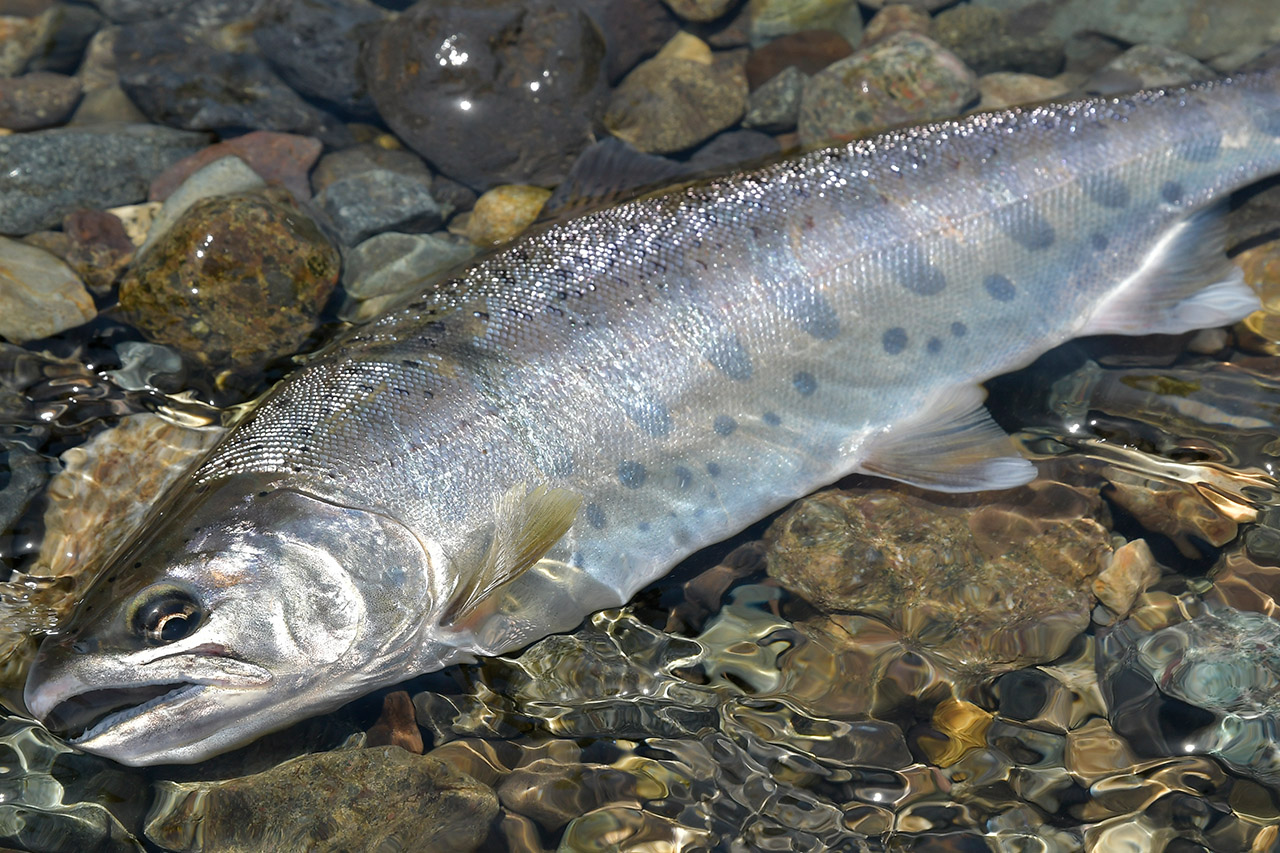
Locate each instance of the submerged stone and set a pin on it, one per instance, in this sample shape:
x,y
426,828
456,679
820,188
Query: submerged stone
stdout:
x,y
39,294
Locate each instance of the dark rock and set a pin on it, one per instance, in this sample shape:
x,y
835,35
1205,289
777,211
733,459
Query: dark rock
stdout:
x,y
449,192
699,11
282,159
177,77
903,79
922,5
50,173
487,92
237,280
99,247
132,11
775,106
314,45
731,150
73,26
36,100
987,41
633,30
378,200
356,799
808,51
347,162
27,472
24,36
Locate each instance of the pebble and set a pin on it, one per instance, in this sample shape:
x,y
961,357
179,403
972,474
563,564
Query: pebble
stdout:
x,y
27,472
281,159
775,106
382,798
396,725
347,162
368,203
1132,569
225,176
1147,66
502,213
808,51
509,94
986,41
98,247
73,27
236,281
679,98
1008,88
895,18
384,268
53,172
770,19
315,48
137,219
36,100
905,78
921,5
699,10
39,294
177,77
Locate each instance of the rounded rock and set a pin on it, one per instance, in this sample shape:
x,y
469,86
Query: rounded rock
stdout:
x,y
36,100
808,51
986,40
503,212
769,19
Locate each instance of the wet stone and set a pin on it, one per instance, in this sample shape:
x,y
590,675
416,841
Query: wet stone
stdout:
x,y
986,40
771,19
385,267
905,78
237,280
397,724
53,172
355,799
633,30
98,247
469,108
808,51
225,176
775,106
502,213
348,162
679,98
24,37
699,10
368,203
895,18
39,294
280,159
36,100
1147,66
1008,88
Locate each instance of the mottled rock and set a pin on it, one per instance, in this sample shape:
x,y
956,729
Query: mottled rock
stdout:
x,y
236,281
39,294
23,37
362,799
732,149
770,19
1131,570
98,249
1147,66
699,10
348,162
178,78
896,18
315,47
986,41
281,159
368,203
808,51
490,93
50,173
225,176
677,99
905,78
387,266
1007,88
979,579
775,106
36,100
503,212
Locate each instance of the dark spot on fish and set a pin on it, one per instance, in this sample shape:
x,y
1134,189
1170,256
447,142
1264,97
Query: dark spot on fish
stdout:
x,y
729,357
643,527
1098,241
1105,190
650,415
771,418
713,469
631,474
724,425
1029,229
999,287
894,340
575,559
1199,150
817,317
804,383
683,476
594,515
1171,191
1267,121
959,330
563,466
934,346
920,276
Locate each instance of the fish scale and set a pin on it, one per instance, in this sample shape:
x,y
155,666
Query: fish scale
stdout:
x,y
661,374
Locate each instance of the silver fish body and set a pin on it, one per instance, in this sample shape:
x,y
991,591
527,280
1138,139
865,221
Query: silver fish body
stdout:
x,y
661,374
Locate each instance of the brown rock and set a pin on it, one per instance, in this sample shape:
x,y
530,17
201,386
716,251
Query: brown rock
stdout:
x,y
396,726
282,159
36,100
808,51
699,10
1007,88
898,18
503,212
99,248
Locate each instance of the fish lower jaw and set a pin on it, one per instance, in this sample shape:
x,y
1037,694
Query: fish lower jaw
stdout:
x,y
94,725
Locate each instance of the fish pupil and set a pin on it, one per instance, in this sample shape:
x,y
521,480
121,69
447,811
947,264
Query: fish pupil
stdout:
x,y
168,618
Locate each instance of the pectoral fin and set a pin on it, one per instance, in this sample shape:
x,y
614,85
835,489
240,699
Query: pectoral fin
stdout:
x,y
527,523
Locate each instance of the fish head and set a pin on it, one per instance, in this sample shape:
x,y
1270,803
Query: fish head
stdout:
x,y
238,613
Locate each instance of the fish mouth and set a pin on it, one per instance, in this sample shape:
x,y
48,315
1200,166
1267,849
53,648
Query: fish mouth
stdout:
x,y
86,715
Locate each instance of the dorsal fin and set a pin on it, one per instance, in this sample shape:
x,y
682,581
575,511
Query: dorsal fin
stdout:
x,y
606,173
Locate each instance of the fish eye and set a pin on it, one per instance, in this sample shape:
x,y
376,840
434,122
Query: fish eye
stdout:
x,y
166,615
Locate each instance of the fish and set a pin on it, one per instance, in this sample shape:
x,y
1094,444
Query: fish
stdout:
x,y
546,431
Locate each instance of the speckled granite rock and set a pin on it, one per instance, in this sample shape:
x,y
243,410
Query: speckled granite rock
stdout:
x,y
775,106
895,18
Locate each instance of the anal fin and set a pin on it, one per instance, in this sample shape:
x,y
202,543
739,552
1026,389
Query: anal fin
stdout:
x,y
1184,283
952,445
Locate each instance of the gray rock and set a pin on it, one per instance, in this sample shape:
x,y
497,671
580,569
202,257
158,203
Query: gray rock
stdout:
x,y
131,11
73,26
775,106
226,176
986,40
387,266
1147,66
25,39
769,19
315,47
379,200
361,158
28,472
356,799
36,100
39,294
49,173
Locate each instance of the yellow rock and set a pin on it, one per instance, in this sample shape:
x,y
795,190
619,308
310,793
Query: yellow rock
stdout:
x,y
503,212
